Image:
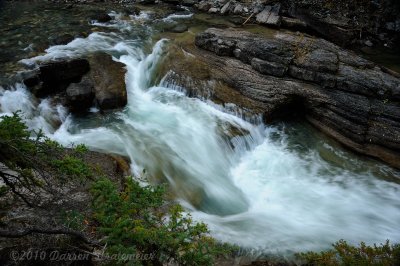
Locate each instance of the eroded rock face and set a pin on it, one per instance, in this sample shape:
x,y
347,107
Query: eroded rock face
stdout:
x,y
343,95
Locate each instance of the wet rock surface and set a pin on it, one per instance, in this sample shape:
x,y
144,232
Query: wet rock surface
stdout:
x,y
82,82
343,95
54,77
80,96
109,81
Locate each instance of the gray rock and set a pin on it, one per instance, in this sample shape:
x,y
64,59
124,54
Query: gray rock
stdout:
x,y
101,17
54,77
368,43
343,95
294,24
257,8
335,30
80,95
189,2
221,2
82,81
172,2
213,10
269,68
204,5
238,9
319,60
108,78
269,16
225,8
179,28
63,39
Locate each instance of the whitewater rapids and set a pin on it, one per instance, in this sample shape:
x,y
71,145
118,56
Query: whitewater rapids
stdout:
x,y
252,188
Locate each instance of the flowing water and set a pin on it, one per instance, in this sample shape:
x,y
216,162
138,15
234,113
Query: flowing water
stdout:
x,y
274,189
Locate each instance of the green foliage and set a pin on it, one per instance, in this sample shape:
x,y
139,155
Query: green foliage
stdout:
x,y
35,164
74,220
72,167
4,190
348,255
137,221
81,149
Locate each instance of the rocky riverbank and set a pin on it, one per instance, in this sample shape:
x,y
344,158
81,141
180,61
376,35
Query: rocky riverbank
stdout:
x,y
343,95
361,24
355,23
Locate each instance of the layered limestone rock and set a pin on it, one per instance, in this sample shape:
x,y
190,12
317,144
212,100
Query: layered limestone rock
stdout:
x,y
343,95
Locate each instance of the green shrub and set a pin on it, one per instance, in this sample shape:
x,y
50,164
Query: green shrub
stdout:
x,y
34,164
137,221
348,255
72,167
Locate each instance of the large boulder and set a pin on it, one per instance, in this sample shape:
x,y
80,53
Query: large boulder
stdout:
x,y
81,83
108,77
54,77
343,95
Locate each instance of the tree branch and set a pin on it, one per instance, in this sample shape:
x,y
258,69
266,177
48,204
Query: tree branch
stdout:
x,y
9,184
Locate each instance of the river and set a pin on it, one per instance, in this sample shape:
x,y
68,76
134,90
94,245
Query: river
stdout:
x,y
271,189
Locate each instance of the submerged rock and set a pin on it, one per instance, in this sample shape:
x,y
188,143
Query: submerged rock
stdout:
x,y
178,28
102,17
63,39
343,95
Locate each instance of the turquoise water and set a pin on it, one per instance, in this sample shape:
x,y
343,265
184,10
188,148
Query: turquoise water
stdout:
x,y
275,189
